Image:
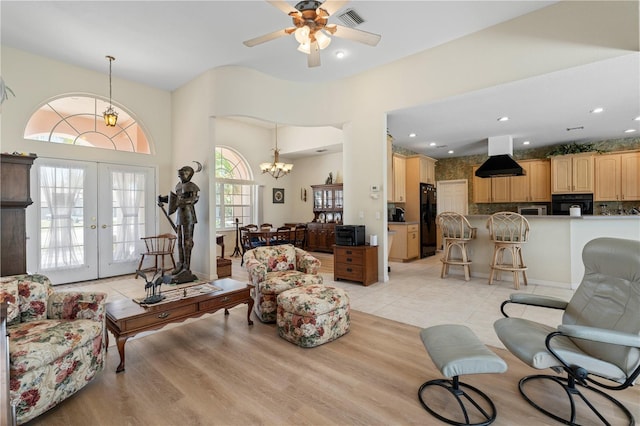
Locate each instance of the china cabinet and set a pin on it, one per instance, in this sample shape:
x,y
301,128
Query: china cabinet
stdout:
x,y
328,202
15,197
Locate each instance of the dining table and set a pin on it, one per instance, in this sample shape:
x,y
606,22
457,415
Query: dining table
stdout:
x,y
268,237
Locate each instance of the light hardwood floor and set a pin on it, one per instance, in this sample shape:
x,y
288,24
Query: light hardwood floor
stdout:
x,y
216,370
219,371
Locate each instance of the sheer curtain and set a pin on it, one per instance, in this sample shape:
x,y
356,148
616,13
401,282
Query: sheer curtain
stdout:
x,y
128,218
61,190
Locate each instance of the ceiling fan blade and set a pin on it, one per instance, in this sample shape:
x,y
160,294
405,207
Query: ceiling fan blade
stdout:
x,y
282,5
332,6
313,58
266,37
356,35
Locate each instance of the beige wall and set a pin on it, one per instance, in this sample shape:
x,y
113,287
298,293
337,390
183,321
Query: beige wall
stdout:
x,y
553,38
183,125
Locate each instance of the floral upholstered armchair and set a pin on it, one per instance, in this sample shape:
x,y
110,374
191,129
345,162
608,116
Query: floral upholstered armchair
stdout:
x,y
56,342
274,269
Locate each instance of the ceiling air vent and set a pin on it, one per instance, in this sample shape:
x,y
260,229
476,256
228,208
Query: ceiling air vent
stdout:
x,y
351,18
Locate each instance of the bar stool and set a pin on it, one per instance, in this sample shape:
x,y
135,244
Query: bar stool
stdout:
x,y
508,231
456,232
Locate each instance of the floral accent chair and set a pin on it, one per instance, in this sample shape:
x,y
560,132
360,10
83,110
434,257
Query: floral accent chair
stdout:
x,y
274,269
56,342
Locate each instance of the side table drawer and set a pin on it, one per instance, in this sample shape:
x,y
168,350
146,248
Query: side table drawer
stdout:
x,y
159,316
347,255
224,301
348,272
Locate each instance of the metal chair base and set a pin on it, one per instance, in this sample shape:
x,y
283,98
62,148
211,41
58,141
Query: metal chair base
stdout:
x,y
572,391
461,390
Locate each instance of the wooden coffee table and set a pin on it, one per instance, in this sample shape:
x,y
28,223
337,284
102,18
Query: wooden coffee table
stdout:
x,y
126,318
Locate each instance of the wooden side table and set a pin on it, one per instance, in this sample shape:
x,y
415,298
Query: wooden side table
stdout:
x,y
355,263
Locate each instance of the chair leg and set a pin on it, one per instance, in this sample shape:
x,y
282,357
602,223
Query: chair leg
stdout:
x,y
497,257
465,259
445,260
140,265
463,394
522,265
514,266
571,390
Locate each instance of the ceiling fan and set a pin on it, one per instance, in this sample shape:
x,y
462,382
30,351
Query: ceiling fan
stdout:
x,y
311,28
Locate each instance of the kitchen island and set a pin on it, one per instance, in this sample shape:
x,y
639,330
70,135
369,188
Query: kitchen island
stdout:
x,y
553,253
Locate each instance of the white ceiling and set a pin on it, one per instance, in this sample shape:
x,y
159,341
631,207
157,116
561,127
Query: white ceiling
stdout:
x,y
167,43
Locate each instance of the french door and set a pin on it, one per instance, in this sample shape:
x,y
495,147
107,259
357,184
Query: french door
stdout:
x,y
87,218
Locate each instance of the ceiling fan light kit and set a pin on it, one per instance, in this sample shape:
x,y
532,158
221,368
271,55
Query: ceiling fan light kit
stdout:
x,y
312,30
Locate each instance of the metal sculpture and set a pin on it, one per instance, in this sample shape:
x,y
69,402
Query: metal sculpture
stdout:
x,y
152,287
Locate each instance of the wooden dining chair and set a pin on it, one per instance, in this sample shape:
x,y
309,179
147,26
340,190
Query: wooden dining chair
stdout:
x,y
300,235
283,235
160,247
266,227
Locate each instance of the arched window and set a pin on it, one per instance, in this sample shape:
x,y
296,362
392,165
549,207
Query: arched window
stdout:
x,y
77,120
235,190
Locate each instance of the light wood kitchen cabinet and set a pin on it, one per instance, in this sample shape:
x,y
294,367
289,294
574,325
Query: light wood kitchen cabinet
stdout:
x,y
427,170
406,242
535,186
389,169
490,190
419,168
399,179
572,174
617,177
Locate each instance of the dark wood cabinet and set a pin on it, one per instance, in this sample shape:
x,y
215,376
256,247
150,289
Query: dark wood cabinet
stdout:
x,y
356,263
321,236
15,197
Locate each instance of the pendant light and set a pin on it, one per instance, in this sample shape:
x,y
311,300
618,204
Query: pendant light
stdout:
x,y
276,168
110,115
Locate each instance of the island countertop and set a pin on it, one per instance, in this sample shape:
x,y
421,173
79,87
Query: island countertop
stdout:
x,y
553,253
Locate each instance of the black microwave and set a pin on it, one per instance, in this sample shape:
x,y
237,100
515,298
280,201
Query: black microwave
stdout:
x,y
349,235
562,203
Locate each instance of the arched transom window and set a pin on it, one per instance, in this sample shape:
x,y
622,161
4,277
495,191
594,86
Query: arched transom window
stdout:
x,y
77,120
235,190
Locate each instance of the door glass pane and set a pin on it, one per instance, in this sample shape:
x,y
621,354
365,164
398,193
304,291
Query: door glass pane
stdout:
x,y
61,217
128,218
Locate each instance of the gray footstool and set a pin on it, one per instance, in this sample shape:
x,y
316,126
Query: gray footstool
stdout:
x,y
456,351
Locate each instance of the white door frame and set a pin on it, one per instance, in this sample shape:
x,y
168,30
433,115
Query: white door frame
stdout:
x,y
91,227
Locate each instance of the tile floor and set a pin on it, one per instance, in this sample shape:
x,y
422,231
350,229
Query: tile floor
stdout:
x,y
415,294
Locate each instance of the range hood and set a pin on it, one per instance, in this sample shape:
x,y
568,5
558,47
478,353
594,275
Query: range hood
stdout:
x,y
500,162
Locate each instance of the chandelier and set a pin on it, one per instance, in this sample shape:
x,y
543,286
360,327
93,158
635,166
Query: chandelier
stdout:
x,y
110,115
276,168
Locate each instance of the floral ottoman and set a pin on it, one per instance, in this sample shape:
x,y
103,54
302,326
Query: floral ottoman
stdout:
x,y
312,315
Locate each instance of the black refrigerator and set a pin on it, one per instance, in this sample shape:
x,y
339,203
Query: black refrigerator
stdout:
x,y
428,214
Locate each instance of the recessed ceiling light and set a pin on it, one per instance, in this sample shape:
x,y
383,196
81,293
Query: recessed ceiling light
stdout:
x,y
339,54
526,143
597,110
637,118
450,151
433,144
412,135
630,130
505,118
